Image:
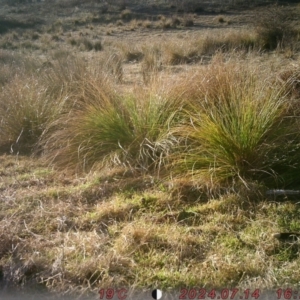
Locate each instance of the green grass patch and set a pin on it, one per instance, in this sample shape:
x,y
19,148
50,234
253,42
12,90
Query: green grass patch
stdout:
x,y
237,129
106,128
26,108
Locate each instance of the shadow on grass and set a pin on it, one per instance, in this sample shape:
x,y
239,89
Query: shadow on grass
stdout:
x,y
8,23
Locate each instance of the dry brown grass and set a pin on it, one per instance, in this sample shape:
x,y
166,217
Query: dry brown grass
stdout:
x,y
130,53
81,236
111,227
220,19
275,28
188,20
126,14
147,24
151,64
112,64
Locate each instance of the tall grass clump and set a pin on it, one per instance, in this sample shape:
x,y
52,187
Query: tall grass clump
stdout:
x,y
104,128
126,14
62,72
13,63
26,107
130,53
175,53
232,40
111,63
151,64
188,20
35,98
237,129
275,29
185,51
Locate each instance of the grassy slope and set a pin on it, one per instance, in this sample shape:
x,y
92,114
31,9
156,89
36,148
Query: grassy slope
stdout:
x,y
106,230
111,228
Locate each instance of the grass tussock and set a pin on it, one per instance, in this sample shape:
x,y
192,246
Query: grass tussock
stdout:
x,y
26,108
233,40
275,29
62,71
175,53
187,20
166,23
220,19
147,24
104,128
186,51
35,98
151,64
126,14
238,129
8,65
130,53
112,65
85,44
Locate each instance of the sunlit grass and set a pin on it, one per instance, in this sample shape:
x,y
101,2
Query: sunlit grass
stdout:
x,y
26,109
105,128
226,121
237,128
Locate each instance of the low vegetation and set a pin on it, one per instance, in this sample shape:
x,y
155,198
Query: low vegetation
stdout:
x,y
146,164
238,127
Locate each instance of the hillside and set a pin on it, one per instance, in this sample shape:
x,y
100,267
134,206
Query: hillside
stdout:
x,y
140,145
